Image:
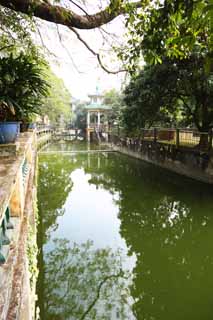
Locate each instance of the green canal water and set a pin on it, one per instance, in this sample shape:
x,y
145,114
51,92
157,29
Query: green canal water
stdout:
x,y
120,239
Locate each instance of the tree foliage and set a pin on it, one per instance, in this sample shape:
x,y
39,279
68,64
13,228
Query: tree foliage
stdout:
x,y
168,93
149,99
22,87
60,12
156,28
80,115
113,98
25,75
57,104
15,35
169,29
175,40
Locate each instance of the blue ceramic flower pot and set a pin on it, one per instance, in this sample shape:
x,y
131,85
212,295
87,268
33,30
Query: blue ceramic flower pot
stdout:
x,y
9,131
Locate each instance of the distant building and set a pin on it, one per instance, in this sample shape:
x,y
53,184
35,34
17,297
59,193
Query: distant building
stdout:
x,y
97,116
43,119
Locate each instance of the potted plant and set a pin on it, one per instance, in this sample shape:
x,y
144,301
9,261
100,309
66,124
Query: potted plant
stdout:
x,y
22,89
9,130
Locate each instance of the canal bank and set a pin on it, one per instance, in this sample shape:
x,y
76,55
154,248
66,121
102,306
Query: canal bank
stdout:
x,y
18,216
192,163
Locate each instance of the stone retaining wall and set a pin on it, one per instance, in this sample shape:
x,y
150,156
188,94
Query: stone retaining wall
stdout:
x,y
191,163
18,194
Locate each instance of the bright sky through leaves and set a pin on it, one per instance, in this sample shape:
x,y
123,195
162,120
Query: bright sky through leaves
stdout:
x,y
72,62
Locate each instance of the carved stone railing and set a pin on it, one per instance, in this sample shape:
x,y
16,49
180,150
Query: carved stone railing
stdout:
x,y
16,213
44,134
183,151
181,138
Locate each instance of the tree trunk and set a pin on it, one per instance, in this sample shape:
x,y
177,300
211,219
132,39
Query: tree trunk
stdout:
x,y
204,129
204,141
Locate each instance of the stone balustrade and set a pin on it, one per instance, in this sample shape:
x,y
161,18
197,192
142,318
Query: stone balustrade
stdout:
x,y
191,160
17,218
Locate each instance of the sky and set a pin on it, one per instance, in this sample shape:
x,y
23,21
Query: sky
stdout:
x,y
72,62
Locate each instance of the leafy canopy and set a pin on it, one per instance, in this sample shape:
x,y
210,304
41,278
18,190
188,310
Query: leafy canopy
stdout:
x,y
57,104
170,28
15,32
114,99
172,93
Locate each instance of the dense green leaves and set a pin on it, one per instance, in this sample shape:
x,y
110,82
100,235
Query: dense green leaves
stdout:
x,y
22,87
27,85
15,35
168,29
149,98
172,93
80,115
114,99
175,38
57,104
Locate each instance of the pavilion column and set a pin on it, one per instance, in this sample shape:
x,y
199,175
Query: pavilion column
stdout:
x,y
107,128
99,161
88,120
88,126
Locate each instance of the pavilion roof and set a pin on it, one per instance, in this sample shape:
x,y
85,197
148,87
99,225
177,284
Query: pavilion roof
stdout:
x,y
95,95
97,106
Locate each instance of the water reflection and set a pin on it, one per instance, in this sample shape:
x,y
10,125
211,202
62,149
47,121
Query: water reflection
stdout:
x,y
162,223
75,146
85,283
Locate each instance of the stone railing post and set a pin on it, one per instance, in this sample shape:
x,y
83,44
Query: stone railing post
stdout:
x,y
142,135
210,139
177,138
155,135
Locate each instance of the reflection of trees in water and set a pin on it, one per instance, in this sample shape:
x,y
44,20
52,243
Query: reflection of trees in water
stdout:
x,y
172,238
54,186
162,221
172,241
83,283
168,224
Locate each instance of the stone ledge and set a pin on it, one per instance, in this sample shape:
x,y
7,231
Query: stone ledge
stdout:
x,y
9,168
9,150
17,294
185,168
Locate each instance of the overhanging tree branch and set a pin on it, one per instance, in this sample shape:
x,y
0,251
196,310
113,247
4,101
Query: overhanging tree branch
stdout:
x,y
67,17
79,7
96,54
61,15
67,51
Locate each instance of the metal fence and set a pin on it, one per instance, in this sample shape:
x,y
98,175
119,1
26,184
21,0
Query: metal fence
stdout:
x,y
184,138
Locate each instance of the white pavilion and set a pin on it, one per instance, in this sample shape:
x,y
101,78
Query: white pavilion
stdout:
x,y
97,116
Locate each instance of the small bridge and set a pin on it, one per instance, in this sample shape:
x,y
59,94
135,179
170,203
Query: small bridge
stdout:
x,y
68,135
